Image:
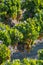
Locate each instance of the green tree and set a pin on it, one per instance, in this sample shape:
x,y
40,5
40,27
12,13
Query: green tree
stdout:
x,y
31,7
9,8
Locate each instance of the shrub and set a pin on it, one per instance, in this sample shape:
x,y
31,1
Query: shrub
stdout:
x,y
16,35
4,53
9,8
31,7
24,62
5,37
40,54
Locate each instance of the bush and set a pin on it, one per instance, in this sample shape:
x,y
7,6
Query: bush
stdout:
x,y
30,29
40,54
39,62
31,7
15,35
4,34
4,53
24,62
9,8
5,37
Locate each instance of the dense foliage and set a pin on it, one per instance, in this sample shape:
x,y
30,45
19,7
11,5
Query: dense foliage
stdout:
x,y
31,7
4,34
40,54
4,53
15,35
9,8
29,27
24,62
